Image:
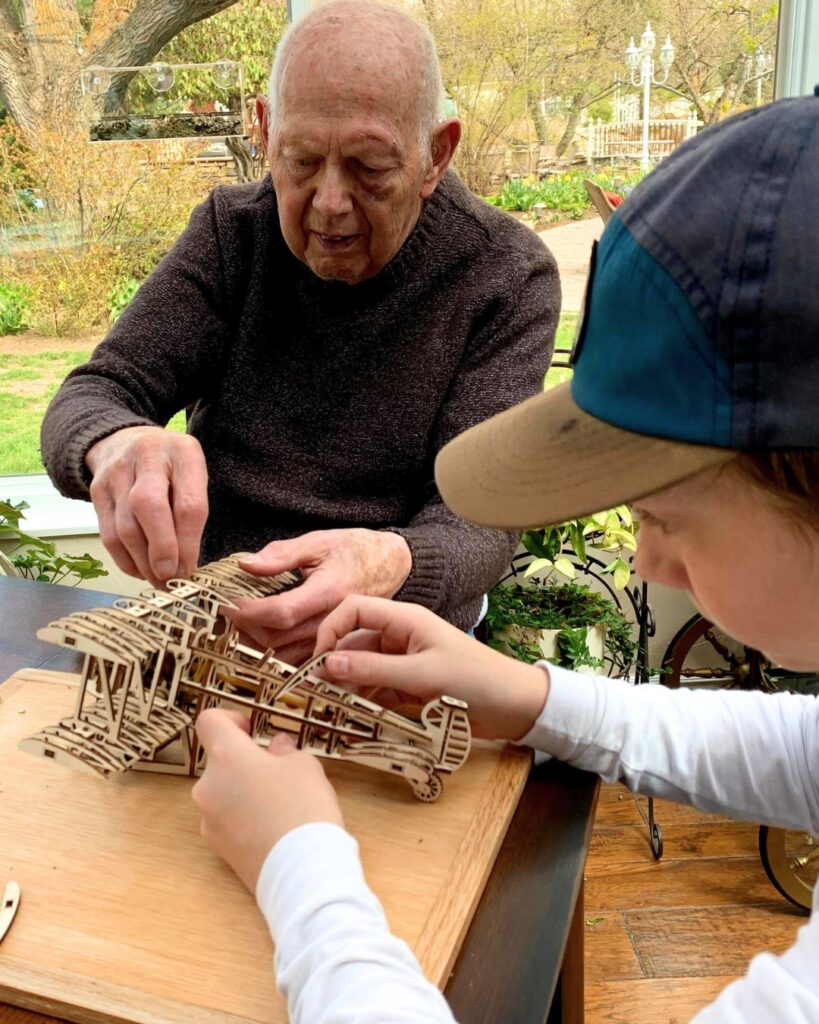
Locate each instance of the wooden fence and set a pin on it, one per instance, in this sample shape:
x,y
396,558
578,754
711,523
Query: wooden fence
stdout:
x,y
622,141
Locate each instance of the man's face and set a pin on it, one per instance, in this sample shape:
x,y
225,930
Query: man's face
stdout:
x,y
348,171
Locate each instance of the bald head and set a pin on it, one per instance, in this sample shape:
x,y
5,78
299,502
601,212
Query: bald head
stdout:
x,y
353,135
346,44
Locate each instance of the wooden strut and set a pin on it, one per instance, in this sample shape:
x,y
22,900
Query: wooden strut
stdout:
x,y
153,663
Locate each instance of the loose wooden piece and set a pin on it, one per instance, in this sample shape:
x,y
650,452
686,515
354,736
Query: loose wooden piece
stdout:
x,y
8,907
153,663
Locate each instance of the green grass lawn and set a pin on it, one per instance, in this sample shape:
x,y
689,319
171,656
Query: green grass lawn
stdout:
x,y
28,382
563,344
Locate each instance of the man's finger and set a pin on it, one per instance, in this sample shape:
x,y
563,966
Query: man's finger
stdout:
x,y
130,535
106,517
150,502
189,499
295,654
286,555
278,638
312,599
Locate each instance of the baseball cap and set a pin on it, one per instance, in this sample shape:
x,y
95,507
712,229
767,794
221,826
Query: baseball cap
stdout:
x,y
699,337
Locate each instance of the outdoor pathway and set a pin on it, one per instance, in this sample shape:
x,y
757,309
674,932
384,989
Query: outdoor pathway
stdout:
x,y
571,246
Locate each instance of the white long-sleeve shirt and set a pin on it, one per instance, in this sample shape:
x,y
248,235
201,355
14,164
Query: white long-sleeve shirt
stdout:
x,y
748,755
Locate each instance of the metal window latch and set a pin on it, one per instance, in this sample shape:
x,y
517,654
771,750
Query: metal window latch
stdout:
x,y
8,907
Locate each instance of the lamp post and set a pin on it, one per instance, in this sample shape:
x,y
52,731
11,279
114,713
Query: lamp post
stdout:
x,y
640,62
758,67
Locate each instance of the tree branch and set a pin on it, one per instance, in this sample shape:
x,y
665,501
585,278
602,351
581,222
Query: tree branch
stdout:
x,y
150,25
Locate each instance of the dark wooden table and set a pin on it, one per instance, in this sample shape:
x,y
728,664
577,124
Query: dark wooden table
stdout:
x,y
522,959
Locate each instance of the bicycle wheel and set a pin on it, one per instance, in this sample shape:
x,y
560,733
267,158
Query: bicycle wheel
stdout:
x,y
701,654
791,862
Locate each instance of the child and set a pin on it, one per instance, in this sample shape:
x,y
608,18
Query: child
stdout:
x,y
695,396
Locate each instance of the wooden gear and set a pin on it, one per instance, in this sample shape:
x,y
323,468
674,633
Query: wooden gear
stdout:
x,y
152,663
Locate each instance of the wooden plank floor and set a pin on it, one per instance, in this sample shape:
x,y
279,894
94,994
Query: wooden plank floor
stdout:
x,y
664,937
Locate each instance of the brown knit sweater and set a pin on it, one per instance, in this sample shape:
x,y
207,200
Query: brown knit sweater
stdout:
x,y
320,404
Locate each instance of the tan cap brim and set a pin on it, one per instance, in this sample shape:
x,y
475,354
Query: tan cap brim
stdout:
x,y
547,461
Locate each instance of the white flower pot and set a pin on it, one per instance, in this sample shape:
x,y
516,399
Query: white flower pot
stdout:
x,y
545,640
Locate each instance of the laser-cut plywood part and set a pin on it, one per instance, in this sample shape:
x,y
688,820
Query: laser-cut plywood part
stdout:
x,y
8,907
153,663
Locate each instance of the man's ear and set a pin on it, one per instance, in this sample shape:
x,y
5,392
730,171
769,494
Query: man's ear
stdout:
x,y
263,117
445,141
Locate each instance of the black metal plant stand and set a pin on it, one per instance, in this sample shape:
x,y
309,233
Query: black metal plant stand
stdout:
x,y
632,601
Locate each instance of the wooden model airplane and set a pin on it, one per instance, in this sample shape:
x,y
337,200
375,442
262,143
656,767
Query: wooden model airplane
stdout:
x,y
152,663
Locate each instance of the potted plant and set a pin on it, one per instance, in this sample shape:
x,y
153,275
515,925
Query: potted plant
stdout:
x,y
36,559
567,623
545,613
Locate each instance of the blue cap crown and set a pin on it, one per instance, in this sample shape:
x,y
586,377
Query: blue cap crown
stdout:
x,y
702,314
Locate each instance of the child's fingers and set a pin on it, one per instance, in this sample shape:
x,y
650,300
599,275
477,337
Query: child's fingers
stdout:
x,y
371,613
282,744
228,730
368,669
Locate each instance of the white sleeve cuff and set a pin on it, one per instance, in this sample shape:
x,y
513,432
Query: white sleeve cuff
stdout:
x,y
571,711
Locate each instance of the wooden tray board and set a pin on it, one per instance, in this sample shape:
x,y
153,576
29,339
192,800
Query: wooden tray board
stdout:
x,y
127,916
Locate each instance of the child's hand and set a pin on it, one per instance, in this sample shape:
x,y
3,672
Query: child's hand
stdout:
x,y
395,651
251,797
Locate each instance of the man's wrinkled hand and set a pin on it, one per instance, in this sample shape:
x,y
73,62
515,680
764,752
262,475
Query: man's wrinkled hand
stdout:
x,y
334,563
251,797
150,492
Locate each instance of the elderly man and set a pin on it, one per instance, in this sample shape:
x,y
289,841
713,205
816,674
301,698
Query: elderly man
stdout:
x,y
334,325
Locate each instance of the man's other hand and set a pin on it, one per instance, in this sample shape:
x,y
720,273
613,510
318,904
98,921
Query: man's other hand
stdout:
x,y
150,492
335,563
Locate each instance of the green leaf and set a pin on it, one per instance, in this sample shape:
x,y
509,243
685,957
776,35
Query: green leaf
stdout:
x,y
538,565
566,567
578,541
625,514
533,543
621,573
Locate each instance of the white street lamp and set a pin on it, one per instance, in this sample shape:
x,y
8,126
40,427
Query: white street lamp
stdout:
x,y
640,62
763,64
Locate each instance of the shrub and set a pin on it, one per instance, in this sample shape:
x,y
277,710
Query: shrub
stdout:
x,y
125,288
15,307
38,559
110,213
563,192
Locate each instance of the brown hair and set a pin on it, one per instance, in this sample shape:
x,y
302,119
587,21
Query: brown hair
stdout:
x,y
790,475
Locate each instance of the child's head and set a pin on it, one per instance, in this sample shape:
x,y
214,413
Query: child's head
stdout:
x,y
696,386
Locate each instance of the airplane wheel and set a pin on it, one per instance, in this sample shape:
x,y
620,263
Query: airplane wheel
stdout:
x,y
430,790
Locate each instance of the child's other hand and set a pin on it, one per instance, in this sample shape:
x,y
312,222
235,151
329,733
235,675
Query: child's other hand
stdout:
x,y
250,796
396,652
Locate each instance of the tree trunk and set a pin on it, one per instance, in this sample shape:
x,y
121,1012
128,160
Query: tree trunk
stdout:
x,y
41,57
569,132
249,166
538,120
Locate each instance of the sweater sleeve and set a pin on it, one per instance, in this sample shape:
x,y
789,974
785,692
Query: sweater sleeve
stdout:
x,y
747,755
156,360
336,960
453,561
